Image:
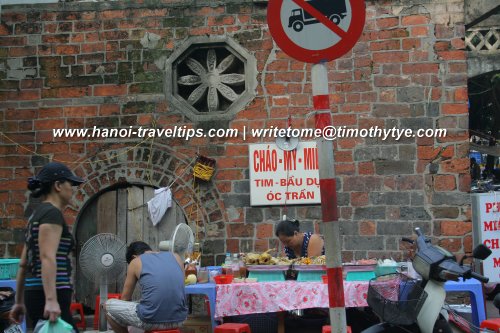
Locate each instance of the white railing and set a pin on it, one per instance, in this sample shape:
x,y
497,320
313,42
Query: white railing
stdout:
x,y
484,40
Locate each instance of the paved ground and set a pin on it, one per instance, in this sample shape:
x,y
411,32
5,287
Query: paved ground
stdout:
x,y
492,312
315,327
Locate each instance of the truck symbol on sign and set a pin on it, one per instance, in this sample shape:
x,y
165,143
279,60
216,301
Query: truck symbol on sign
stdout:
x,y
334,10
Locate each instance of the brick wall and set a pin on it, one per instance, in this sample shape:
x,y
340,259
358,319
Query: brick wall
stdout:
x,y
82,64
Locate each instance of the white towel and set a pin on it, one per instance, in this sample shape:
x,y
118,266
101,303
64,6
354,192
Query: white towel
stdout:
x,y
159,204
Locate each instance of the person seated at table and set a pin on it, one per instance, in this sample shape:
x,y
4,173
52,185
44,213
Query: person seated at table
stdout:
x,y
163,301
299,244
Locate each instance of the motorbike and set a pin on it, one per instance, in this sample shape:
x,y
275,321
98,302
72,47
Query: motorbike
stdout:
x,y
413,305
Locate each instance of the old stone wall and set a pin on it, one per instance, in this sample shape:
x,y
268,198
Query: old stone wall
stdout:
x,y
79,65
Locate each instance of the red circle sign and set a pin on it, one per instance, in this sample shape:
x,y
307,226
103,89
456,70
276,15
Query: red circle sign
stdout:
x,y
316,30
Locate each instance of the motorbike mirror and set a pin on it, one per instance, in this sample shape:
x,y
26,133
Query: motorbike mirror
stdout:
x,y
481,252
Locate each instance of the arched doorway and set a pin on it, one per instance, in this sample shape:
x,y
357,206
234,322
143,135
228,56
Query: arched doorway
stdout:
x,y
121,210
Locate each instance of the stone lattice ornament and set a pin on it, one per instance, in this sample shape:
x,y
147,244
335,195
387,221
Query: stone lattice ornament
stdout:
x,y
212,78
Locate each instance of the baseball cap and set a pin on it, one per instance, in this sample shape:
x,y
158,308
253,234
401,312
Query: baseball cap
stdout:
x,y
56,171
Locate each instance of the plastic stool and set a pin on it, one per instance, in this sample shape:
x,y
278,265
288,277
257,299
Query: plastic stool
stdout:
x,y
328,329
174,330
232,328
78,307
492,324
475,289
96,311
207,289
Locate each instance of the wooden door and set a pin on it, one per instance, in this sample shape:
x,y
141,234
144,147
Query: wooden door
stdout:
x,y
124,212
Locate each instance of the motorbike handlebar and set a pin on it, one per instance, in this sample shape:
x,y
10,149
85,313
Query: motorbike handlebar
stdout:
x,y
480,277
421,240
408,240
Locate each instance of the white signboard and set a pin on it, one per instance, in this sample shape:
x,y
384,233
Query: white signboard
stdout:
x,y
486,219
279,177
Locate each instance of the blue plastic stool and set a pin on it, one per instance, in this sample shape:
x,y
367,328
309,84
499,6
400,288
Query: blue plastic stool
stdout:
x,y
13,285
205,289
475,289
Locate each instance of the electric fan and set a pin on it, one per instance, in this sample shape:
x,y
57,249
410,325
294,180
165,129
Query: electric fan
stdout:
x,y
102,260
182,241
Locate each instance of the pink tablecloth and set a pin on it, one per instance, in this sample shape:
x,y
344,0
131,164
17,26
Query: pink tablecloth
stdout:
x,y
245,298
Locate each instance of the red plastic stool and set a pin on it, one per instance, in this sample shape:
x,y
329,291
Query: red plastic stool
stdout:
x,y
491,324
232,328
96,311
328,329
174,330
78,307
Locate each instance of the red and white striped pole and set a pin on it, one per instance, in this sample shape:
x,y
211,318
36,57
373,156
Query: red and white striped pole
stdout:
x,y
329,208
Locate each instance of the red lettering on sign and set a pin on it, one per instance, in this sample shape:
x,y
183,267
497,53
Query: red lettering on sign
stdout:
x,y
264,182
496,262
265,160
492,207
291,181
290,159
312,181
311,159
492,243
491,225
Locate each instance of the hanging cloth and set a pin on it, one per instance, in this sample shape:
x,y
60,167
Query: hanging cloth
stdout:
x,y
159,204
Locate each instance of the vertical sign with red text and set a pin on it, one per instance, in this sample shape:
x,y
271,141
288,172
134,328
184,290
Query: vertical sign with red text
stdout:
x,y
279,177
486,219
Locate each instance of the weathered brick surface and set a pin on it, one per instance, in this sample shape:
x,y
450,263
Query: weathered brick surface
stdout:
x,y
83,65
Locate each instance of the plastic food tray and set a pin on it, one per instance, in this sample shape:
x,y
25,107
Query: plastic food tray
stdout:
x,y
267,273
359,272
309,267
310,273
383,270
260,268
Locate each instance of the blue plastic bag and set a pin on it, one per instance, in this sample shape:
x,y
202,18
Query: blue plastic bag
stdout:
x,y
59,326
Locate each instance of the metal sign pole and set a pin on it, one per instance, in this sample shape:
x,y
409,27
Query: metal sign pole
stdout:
x,y
329,208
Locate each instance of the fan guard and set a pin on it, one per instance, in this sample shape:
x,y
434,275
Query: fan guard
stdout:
x,y
103,254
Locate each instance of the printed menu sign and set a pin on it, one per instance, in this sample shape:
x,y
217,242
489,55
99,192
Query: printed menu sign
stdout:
x,y
279,177
486,219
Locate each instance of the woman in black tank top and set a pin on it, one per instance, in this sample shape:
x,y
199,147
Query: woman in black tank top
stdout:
x,y
299,244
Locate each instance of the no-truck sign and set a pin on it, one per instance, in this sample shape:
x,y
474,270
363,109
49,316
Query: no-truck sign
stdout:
x,y
316,30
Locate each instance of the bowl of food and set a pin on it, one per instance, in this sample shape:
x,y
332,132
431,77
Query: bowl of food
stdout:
x,y
223,279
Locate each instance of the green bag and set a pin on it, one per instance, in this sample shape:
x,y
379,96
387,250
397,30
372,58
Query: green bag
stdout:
x,y
59,326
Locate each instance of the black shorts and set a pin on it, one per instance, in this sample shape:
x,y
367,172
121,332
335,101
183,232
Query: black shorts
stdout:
x,y
35,303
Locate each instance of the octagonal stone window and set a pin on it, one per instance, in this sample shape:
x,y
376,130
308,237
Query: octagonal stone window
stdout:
x,y
210,78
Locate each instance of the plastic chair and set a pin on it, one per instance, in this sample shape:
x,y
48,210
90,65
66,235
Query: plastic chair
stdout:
x,y
96,311
232,328
174,330
475,289
492,324
78,307
328,329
